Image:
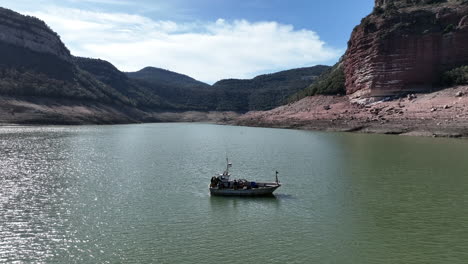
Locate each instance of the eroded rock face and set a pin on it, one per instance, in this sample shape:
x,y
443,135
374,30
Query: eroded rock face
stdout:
x,y
404,45
406,3
31,33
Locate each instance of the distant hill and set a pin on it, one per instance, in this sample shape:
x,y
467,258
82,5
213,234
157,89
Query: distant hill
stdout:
x,y
260,93
108,74
165,77
153,87
265,91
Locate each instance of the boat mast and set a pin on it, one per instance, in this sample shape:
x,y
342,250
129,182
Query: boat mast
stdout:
x,y
227,166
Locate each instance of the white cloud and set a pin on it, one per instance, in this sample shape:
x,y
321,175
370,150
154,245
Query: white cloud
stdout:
x,y
206,51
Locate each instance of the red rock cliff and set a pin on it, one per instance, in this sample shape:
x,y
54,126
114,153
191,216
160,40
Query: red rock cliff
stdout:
x,y
404,45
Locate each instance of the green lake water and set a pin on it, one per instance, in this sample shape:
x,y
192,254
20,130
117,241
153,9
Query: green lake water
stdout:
x,y
139,194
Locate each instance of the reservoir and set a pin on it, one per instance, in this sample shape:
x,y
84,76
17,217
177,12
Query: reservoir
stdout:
x,y
139,194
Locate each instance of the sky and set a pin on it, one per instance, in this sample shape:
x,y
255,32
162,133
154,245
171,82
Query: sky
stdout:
x,y
208,40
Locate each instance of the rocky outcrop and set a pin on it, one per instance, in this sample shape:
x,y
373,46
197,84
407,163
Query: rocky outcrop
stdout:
x,y
31,33
404,45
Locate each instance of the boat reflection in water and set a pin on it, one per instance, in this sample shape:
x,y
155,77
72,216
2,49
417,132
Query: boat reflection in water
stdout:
x,y
221,185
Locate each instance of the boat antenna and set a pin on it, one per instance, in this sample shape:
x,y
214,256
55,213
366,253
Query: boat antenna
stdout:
x,y
227,165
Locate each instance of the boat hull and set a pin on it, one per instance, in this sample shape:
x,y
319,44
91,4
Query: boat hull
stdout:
x,y
263,191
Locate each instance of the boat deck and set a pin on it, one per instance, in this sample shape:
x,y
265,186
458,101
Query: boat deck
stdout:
x,y
245,191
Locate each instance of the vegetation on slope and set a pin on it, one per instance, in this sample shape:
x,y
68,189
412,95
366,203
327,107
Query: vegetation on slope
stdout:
x,y
457,76
27,73
331,82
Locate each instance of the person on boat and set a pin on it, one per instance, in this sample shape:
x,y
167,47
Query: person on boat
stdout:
x,y
240,184
214,181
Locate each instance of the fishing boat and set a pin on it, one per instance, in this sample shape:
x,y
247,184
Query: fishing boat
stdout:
x,y
221,185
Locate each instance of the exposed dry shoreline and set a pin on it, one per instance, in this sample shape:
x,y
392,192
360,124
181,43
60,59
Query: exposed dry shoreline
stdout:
x,y
442,114
46,111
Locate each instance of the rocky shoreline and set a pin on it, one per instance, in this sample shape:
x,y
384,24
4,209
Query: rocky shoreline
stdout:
x,y
439,114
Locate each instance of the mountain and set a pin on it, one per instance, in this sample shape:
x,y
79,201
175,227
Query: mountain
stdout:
x,y
41,82
260,93
165,90
31,33
139,94
35,62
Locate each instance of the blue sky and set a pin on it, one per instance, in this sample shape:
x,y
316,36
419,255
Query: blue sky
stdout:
x,y
206,39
